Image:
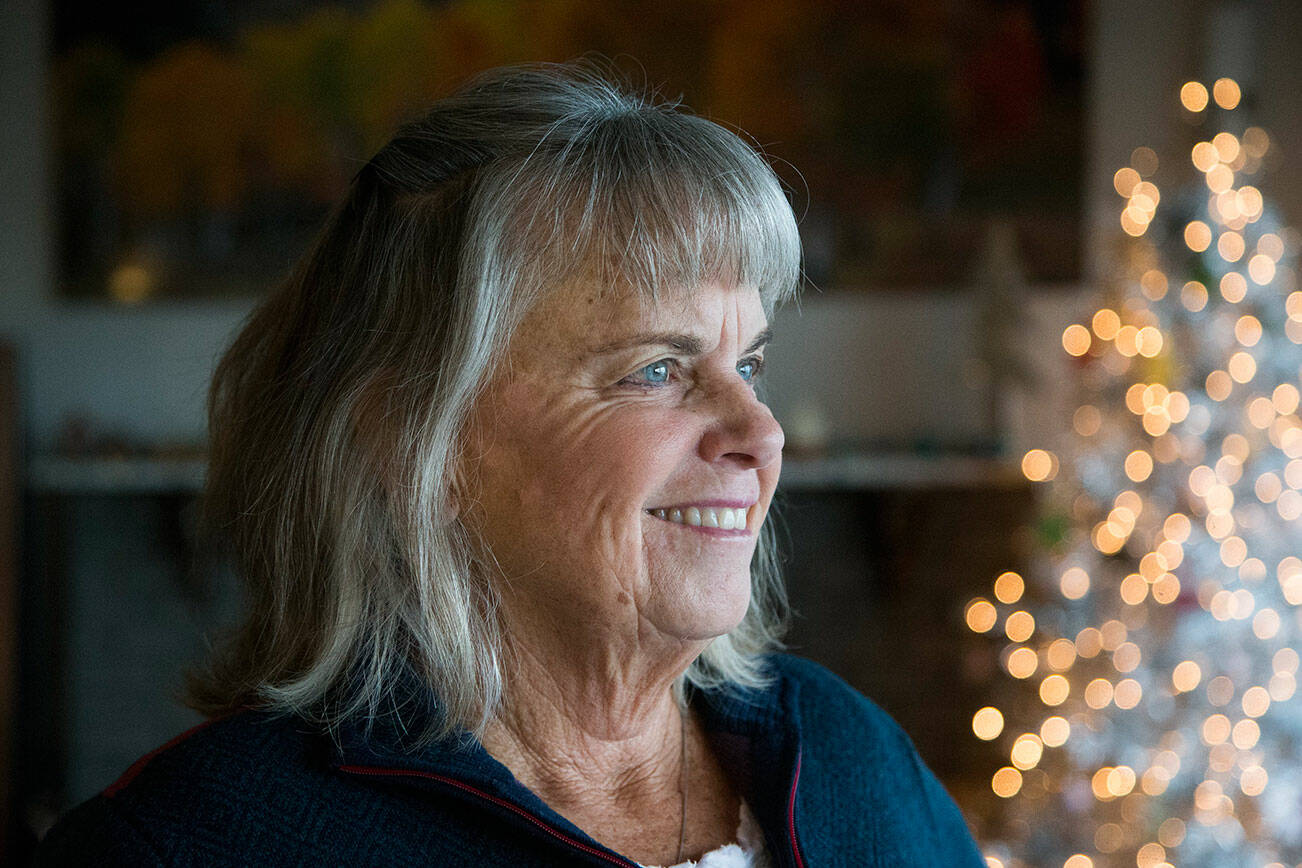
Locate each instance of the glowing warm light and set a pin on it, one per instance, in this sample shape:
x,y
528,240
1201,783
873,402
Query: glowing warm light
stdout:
x,y
1106,323
1249,200
1125,181
1074,583
1113,633
1193,295
1289,573
1166,590
1098,693
1218,385
1293,471
1227,146
1061,654
1204,156
1282,686
1054,690
1285,660
1247,330
1078,860
1120,781
1133,222
981,615
1171,554
1253,780
1233,552
1197,237
1261,412
1261,268
1177,527
1026,751
1220,178
1149,342
1127,693
1006,782
1009,587
1269,244
1242,366
1019,626
1151,855
1076,340
1022,662
1185,676
1127,656
1193,96
1256,701
1267,487
988,723
1216,729
1285,399
1133,589
1089,642
1139,465
1039,465
1055,731
1245,734
1230,246
1233,287
1226,93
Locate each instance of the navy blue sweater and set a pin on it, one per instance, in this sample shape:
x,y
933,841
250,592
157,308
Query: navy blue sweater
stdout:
x,y
830,777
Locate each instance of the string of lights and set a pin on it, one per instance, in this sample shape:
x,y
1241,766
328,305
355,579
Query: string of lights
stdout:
x,y
1151,647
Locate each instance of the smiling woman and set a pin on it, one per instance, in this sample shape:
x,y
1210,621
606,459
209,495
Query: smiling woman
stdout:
x,y
493,468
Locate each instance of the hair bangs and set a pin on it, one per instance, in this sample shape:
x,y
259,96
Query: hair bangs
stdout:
x,y
657,199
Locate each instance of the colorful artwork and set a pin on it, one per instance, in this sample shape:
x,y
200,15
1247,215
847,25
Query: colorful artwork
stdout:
x,y
200,143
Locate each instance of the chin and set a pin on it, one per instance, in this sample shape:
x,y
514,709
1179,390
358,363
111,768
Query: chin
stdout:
x,y
718,614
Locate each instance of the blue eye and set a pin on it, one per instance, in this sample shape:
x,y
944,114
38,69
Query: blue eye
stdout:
x,y
750,367
655,373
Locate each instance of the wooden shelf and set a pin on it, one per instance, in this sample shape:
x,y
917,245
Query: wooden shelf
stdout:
x,y
869,471
51,474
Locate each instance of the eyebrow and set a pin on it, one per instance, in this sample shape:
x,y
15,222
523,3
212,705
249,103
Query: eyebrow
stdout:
x,y
688,345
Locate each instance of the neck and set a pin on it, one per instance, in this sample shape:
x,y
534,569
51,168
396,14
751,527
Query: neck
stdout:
x,y
602,732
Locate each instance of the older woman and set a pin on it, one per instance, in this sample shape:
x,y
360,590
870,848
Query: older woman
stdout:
x,y
493,468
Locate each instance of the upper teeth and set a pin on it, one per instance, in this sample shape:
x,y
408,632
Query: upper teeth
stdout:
x,y
705,516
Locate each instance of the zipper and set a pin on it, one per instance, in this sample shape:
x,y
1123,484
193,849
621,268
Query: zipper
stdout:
x,y
791,814
372,771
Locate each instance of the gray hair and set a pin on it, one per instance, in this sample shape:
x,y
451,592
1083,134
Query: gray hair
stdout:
x,y
337,413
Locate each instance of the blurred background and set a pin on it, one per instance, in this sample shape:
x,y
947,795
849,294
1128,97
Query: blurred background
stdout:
x,y
955,166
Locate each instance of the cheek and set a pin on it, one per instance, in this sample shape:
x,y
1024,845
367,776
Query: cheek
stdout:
x,y
562,478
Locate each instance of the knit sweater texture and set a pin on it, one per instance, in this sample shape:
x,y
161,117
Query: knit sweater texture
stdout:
x,y
832,780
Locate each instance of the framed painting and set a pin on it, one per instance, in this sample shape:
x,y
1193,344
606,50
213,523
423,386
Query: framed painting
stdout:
x,y
199,143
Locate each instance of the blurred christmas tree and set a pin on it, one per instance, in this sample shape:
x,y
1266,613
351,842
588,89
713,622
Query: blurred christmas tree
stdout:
x,y
1151,719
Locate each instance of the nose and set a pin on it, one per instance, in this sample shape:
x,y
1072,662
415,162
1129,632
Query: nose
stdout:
x,y
742,431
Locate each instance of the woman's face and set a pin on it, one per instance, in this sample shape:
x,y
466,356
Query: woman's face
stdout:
x,y
613,427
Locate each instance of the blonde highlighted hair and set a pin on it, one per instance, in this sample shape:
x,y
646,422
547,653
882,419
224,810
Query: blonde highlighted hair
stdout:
x,y
336,414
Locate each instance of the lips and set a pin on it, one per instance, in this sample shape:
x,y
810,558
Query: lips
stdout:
x,y
721,517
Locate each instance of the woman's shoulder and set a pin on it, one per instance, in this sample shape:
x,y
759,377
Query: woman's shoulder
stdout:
x,y
203,778
827,701
854,753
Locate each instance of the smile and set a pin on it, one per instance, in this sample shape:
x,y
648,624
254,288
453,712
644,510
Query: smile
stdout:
x,y
724,518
